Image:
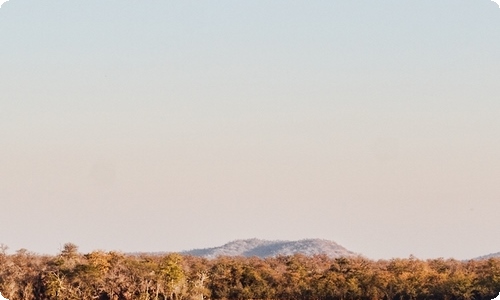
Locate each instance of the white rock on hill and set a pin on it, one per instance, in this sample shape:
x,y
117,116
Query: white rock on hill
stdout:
x,y
265,248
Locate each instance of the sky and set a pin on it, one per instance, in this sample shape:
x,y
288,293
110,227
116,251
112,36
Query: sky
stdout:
x,y
167,126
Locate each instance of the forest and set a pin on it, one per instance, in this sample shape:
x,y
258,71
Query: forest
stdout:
x,y
118,276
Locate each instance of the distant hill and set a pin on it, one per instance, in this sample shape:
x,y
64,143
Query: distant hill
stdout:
x,y
488,256
265,248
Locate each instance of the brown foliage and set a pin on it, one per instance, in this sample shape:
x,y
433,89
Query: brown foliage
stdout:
x,y
117,276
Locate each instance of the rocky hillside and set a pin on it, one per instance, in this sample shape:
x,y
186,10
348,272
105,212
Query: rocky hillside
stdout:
x,y
264,248
488,256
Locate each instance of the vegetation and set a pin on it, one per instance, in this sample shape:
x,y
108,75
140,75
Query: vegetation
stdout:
x,y
112,275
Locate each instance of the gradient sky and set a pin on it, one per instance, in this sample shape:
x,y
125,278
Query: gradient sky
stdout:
x,y
161,125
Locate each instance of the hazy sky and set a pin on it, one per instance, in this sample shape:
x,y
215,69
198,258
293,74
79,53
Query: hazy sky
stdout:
x,y
162,125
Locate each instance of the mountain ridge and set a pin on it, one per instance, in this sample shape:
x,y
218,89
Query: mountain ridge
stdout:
x,y
270,248
488,256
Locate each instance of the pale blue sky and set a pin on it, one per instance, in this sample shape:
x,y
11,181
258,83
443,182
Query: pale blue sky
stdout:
x,y
159,125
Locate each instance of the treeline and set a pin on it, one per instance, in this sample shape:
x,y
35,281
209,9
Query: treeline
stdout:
x,y
113,275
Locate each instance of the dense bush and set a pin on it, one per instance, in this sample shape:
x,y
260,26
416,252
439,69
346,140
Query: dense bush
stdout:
x,y
112,275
